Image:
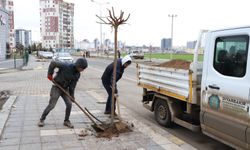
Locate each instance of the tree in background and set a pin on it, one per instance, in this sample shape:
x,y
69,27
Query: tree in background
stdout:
x,y
20,48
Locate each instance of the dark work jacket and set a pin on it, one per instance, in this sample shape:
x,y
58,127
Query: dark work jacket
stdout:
x,y
67,75
107,77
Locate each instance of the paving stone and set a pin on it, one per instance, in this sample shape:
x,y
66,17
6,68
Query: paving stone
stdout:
x,y
34,133
10,142
13,147
30,140
36,146
52,146
154,147
50,139
11,135
71,144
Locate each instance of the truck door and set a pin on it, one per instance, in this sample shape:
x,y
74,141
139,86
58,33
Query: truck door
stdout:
x,y
225,87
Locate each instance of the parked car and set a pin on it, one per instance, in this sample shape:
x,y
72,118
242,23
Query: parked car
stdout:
x,y
63,57
136,54
47,55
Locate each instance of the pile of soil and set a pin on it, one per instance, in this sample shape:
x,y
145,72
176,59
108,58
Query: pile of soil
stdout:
x,y
178,64
115,130
4,95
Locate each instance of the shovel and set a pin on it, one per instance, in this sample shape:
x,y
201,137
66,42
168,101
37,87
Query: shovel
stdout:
x,y
84,111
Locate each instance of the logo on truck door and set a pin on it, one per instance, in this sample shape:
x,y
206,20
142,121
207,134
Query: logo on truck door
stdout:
x,y
227,103
214,102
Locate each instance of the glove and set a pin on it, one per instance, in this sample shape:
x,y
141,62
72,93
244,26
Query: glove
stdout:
x,y
116,95
50,77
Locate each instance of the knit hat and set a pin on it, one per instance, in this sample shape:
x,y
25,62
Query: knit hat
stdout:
x,y
81,63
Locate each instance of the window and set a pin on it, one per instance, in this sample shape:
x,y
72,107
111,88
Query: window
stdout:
x,y
230,56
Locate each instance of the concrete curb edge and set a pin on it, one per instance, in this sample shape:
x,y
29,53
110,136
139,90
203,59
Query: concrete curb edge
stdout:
x,y
5,112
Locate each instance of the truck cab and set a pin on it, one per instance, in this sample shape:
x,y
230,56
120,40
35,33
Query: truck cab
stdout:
x,y
225,88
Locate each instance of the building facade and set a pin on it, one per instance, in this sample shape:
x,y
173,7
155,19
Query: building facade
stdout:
x,y
166,43
3,4
4,31
57,24
23,37
9,8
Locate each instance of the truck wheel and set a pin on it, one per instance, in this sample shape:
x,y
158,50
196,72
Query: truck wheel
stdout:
x,y
162,113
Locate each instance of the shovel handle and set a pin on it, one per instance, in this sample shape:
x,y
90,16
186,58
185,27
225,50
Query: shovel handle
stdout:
x,y
73,100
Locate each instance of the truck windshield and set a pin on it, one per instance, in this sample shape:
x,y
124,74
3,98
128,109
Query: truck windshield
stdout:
x,y
230,55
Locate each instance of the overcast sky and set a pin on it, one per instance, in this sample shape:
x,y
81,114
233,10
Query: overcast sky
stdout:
x,y
149,21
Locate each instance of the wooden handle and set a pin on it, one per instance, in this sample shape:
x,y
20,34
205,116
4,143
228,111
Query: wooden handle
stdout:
x,y
73,100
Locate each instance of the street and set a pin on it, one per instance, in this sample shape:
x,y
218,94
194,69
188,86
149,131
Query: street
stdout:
x,y
32,90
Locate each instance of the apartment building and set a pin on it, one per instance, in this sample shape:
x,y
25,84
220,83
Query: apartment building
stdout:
x,y
23,37
57,24
10,9
4,29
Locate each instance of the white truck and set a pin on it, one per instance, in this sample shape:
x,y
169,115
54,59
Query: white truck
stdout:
x,y
211,96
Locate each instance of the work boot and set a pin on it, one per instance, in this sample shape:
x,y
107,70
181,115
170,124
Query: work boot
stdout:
x,y
68,124
115,116
107,112
40,123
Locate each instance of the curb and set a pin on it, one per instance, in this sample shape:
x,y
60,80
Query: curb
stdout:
x,y
4,113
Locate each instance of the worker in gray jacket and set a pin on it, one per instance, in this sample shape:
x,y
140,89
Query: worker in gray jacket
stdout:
x,y
107,78
67,77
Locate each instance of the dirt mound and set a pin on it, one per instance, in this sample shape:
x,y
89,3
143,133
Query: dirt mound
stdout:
x,y
178,64
114,131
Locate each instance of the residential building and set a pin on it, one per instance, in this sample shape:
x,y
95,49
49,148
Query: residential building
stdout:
x,y
57,24
191,44
82,45
23,37
4,30
10,9
166,43
3,4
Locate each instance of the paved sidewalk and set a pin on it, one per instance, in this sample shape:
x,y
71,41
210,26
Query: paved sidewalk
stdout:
x,y
32,88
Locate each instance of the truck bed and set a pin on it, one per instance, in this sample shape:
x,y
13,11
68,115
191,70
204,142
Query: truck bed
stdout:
x,y
173,82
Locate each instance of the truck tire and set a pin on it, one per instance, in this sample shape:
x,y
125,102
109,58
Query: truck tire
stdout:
x,y
162,113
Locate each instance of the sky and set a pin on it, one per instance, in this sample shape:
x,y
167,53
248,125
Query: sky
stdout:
x,y
148,22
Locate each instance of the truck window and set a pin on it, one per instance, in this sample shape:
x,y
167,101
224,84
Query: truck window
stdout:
x,y
230,55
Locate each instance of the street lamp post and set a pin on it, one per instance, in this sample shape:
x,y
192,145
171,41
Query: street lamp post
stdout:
x,y
172,28
100,4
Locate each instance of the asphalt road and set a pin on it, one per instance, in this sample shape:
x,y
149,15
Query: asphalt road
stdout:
x,y
130,97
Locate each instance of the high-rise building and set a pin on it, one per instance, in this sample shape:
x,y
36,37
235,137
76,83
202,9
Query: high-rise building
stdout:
x,y
4,29
23,37
9,8
166,43
191,44
57,24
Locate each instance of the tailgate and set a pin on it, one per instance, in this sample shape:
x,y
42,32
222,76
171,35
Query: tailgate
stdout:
x,y
172,82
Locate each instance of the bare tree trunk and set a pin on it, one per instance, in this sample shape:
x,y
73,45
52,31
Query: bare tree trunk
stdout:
x,y
114,78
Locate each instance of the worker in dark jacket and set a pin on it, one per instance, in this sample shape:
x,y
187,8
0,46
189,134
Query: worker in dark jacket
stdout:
x,y
107,79
67,77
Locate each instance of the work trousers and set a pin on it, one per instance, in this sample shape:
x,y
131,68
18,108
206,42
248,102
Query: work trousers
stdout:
x,y
108,88
55,93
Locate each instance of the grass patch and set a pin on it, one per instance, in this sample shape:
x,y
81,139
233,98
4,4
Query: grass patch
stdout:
x,y
168,56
